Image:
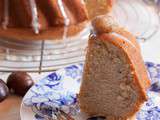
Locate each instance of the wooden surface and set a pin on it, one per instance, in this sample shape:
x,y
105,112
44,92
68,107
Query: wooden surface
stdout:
x,y
10,108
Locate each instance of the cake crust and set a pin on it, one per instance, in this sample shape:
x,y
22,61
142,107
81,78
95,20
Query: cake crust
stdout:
x,y
55,33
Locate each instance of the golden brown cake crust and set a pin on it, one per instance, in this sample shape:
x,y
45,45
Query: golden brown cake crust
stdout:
x,y
55,33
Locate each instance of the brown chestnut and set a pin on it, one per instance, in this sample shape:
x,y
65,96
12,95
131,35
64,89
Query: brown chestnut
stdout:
x,y
4,91
19,82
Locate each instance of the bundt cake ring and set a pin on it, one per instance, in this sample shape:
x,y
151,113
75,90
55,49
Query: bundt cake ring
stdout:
x,y
44,19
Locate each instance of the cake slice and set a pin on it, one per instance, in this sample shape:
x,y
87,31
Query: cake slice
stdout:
x,y
115,78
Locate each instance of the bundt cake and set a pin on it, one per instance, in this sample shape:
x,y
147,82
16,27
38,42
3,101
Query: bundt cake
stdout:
x,y
98,7
115,78
42,19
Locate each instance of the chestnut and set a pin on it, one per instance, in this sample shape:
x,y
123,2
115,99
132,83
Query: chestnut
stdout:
x,y
4,91
19,82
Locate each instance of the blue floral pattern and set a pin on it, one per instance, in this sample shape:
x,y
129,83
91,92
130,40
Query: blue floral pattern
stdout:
x,y
151,109
154,73
58,91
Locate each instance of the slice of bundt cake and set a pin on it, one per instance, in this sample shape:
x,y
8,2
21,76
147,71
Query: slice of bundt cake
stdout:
x,y
43,19
115,77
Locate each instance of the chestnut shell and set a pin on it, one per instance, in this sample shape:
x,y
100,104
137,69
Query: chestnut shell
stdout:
x,y
19,82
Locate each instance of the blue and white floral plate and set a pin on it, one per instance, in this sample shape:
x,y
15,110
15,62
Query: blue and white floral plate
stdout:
x,y
56,94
